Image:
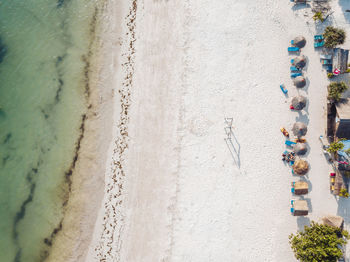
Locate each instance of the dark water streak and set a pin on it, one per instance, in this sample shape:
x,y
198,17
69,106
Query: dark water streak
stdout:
x,y
48,241
3,50
34,171
21,213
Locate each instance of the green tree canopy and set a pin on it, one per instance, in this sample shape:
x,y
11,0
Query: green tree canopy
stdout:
x,y
336,89
333,36
318,243
335,147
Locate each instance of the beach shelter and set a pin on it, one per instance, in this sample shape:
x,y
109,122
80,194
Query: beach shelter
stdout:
x,y
340,60
300,148
300,187
300,167
299,61
333,221
343,119
299,129
299,41
300,208
299,102
299,81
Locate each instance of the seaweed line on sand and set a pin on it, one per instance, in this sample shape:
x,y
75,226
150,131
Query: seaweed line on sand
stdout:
x,y
108,248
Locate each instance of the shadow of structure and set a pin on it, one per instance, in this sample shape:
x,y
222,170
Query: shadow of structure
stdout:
x,y
345,6
302,118
302,222
344,209
232,142
300,6
233,146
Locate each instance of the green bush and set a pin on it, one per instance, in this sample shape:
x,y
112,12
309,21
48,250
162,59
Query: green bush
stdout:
x,y
347,70
318,242
330,75
335,147
333,36
343,192
335,90
318,16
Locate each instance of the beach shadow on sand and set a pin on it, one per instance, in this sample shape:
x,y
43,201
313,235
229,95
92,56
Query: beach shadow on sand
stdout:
x,y
300,6
233,146
302,118
345,5
344,209
302,222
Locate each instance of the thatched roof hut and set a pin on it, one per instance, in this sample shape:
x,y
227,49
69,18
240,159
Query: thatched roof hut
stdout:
x,y
299,102
301,188
299,41
299,81
299,129
300,167
299,61
300,148
300,207
333,221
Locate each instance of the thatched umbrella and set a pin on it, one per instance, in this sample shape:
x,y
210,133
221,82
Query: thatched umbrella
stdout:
x,y
299,129
299,41
300,167
299,61
299,102
299,81
333,221
300,148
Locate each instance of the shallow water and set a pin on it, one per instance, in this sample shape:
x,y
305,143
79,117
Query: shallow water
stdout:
x,y
42,101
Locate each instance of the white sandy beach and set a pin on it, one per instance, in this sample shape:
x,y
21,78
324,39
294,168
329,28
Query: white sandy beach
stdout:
x,y
175,189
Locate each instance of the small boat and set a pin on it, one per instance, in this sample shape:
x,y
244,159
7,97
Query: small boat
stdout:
x,y
284,131
284,89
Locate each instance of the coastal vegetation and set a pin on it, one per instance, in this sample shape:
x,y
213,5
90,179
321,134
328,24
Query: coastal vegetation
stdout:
x,y
330,75
318,16
333,36
318,242
343,192
335,147
335,90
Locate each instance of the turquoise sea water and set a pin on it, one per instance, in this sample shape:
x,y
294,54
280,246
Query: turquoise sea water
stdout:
x,y
42,102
